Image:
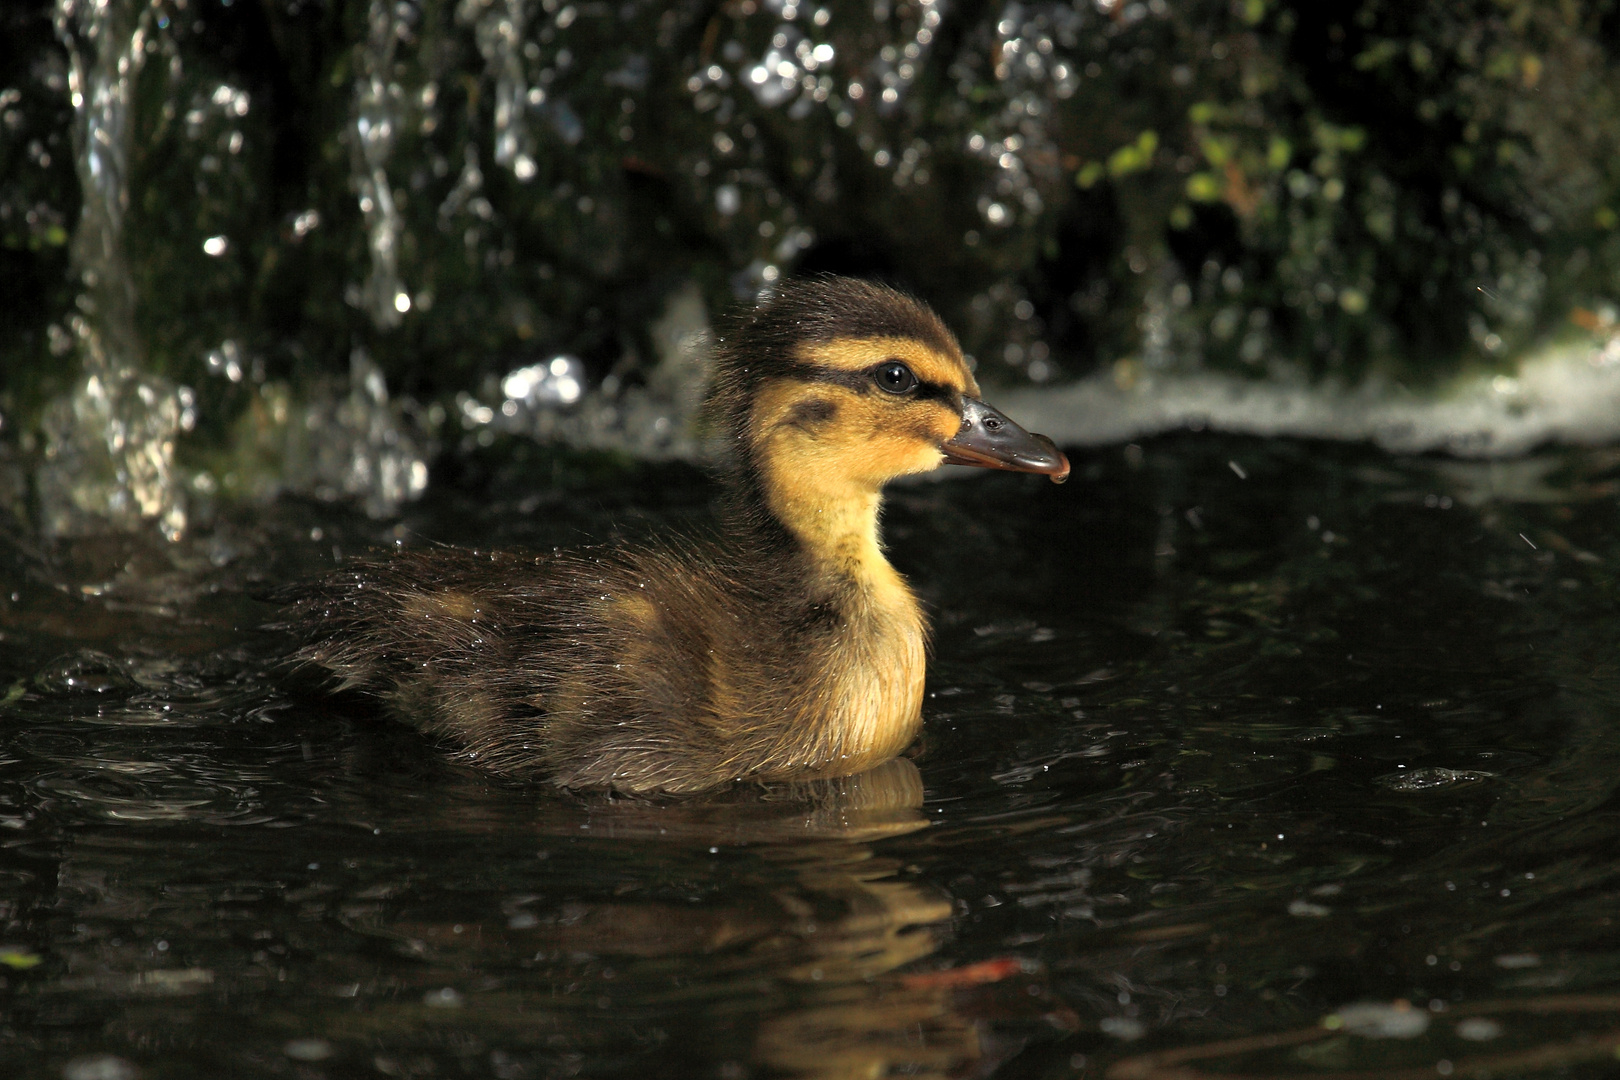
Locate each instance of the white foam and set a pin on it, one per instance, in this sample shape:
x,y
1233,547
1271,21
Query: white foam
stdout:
x,y
1567,393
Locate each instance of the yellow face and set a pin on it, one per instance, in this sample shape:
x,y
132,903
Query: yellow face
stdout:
x,y
856,413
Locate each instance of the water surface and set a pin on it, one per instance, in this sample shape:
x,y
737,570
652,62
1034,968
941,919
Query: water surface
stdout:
x,y
1246,757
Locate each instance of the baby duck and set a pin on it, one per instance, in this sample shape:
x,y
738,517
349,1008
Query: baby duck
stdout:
x,y
783,647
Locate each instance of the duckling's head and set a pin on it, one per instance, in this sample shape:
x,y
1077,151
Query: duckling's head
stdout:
x,y
831,387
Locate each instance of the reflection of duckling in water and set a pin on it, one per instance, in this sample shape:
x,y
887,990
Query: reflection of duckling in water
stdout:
x,y
801,943
785,647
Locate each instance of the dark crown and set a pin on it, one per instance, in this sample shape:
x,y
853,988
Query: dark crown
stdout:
x,y
765,341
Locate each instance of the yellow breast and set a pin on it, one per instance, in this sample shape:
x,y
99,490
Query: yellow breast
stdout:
x,y
876,676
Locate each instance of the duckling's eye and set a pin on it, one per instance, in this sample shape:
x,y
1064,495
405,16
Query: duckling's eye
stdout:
x,y
894,377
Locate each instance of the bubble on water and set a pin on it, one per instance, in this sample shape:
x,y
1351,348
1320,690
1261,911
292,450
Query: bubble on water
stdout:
x,y
85,672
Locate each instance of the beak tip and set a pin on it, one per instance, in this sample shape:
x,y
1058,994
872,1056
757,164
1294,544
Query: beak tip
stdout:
x,y
1058,470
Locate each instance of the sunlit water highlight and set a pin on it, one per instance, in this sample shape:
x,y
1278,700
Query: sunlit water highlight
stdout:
x,y
1568,393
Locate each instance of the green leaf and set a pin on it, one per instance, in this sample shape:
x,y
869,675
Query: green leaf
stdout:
x,y
1205,187
1279,153
1134,157
20,960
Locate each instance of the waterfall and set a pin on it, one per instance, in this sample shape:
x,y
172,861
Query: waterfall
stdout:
x,y
109,443
378,116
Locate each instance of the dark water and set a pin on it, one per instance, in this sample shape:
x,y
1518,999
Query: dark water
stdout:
x,y
1223,737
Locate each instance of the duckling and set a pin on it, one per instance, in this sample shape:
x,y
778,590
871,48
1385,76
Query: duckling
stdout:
x,y
782,647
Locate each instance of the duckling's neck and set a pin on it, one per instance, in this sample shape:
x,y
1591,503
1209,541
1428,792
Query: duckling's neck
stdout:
x,y
836,527
865,700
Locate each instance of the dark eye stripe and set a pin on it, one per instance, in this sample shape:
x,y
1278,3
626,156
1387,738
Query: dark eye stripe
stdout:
x,y
861,382
931,391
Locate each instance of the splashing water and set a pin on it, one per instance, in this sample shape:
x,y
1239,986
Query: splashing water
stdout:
x,y
106,45
109,457
546,400
357,446
533,177
377,119
499,27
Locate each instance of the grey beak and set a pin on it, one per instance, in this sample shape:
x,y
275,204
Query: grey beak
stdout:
x,y
989,440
